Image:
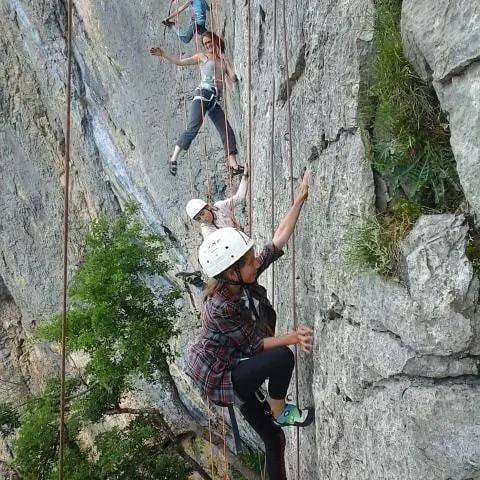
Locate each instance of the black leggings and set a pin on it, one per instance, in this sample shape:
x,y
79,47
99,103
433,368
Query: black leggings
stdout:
x,y
277,365
258,415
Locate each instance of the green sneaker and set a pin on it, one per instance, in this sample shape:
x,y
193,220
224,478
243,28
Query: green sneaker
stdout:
x,y
292,416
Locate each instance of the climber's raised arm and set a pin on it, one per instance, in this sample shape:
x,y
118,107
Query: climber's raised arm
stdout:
x,y
181,62
239,196
287,225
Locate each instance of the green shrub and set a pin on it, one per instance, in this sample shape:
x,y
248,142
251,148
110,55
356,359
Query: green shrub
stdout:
x,y
373,246
115,315
473,254
9,419
254,460
410,143
124,325
135,452
36,446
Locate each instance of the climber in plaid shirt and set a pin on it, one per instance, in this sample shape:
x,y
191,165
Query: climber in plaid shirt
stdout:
x,y
236,350
230,316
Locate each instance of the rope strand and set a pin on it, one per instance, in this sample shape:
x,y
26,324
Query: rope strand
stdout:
x,y
208,190
290,162
225,455
214,16
65,244
272,147
184,92
249,136
212,462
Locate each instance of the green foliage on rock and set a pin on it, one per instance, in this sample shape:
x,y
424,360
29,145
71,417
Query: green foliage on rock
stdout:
x,y
9,419
135,452
410,141
124,324
36,445
409,146
115,316
373,246
254,460
473,254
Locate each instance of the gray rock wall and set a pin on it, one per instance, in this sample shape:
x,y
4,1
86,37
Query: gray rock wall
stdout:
x,y
442,40
394,374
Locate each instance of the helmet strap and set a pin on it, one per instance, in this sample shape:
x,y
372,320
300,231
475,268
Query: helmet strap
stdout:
x,y
227,281
246,289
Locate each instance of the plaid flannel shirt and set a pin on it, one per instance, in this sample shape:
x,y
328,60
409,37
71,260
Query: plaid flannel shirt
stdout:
x,y
229,333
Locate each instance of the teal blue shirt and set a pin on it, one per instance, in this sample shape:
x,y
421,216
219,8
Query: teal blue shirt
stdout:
x,y
199,8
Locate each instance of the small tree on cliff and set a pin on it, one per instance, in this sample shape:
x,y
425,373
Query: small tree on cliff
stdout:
x,y
124,325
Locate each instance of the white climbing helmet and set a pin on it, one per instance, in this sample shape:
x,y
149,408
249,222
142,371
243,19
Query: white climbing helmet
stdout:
x,y
221,249
194,207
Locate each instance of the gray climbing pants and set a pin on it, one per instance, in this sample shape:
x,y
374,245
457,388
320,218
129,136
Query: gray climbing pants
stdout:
x,y
205,103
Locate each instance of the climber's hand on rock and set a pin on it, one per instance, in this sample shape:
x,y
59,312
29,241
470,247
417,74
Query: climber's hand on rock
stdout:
x,y
303,189
304,337
156,52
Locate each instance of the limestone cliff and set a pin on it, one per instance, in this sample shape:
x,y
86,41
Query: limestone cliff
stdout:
x,y
394,374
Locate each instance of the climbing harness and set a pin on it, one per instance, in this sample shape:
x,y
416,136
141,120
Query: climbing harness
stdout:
x,y
206,95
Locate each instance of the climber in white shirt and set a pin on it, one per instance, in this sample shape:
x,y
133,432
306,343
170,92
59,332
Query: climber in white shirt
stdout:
x,y
220,214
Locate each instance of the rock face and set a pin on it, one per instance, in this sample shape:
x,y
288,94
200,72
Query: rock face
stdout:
x,y
394,374
406,360
442,41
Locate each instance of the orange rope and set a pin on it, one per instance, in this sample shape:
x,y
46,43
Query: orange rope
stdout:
x,y
182,79
249,136
208,190
290,162
214,15
65,244
272,147
225,455
212,463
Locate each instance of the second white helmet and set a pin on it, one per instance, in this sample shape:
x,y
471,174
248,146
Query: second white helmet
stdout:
x,y
194,207
221,249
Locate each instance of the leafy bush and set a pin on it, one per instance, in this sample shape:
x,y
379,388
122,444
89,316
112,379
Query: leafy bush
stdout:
x,y
374,244
36,446
9,419
253,460
115,316
135,452
410,143
124,325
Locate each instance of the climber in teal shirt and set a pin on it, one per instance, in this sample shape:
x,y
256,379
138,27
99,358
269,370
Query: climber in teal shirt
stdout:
x,y
197,25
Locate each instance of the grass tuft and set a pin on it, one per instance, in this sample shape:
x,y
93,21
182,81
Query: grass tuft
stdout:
x,y
373,246
411,136
473,254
